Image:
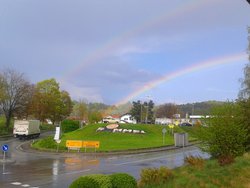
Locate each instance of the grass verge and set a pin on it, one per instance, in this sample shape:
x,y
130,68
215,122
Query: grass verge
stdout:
x,y
211,175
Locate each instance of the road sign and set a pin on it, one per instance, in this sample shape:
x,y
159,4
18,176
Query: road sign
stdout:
x,y
91,144
176,123
164,130
74,143
5,147
57,134
171,126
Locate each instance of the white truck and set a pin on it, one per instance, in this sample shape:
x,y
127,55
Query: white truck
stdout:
x,y
26,129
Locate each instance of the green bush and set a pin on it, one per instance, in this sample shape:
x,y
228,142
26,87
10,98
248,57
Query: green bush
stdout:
x,y
3,129
47,143
123,180
84,182
102,180
118,180
69,126
225,136
47,127
154,176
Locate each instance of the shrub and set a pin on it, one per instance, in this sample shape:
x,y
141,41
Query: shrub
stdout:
x,y
47,143
84,182
225,159
102,180
47,127
123,180
225,134
154,176
69,126
195,161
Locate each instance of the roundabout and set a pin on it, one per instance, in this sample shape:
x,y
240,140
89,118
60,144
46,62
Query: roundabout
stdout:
x,y
115,138
52,169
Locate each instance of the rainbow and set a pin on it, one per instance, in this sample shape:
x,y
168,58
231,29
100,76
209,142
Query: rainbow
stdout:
x,y
187,70
108,47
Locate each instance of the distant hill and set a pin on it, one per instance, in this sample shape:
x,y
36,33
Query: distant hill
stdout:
x,y
198,108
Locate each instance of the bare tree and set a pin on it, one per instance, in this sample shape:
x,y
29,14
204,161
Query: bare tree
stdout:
x,y
15,93
166,110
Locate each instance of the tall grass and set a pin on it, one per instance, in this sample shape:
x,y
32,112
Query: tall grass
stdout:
x,y
212,175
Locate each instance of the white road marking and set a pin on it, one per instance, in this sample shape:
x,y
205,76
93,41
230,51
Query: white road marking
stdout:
x,y
16,183
75,172
25,185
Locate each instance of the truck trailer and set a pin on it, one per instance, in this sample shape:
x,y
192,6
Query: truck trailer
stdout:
x,y
26,129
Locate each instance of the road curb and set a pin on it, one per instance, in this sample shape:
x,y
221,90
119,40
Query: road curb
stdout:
x,y
6,136
6,161
26,147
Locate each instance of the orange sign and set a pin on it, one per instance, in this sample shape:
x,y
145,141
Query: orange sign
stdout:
x,y
74,143
91,144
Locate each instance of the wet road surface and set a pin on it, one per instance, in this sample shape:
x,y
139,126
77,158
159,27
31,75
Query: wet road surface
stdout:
x,y
37,169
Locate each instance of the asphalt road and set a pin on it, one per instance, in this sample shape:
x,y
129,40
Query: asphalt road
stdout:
x,y
38,169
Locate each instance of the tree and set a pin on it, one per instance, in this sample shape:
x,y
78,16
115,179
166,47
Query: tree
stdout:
x,y
143,112
166,110
244,94
65,106
80,110
150,112
49,102
136,111
95,117
15,93
225,135
245,83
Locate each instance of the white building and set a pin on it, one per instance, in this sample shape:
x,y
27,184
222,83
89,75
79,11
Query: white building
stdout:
x,y
110,119
163,121
127,118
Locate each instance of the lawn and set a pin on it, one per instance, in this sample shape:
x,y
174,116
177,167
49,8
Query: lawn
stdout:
x,y
120,141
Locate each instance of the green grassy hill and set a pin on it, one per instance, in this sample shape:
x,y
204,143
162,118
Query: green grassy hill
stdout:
x,y
118,141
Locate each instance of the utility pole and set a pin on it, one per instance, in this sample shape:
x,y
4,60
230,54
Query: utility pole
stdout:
x,y
147,103
141,111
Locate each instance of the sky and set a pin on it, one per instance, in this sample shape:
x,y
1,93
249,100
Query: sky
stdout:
x,y
115,51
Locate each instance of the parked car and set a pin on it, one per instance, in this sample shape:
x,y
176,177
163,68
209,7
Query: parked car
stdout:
x,y
186,124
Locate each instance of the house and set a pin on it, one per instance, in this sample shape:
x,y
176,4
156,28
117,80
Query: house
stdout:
x,y
163,121
127,118
111,119
197,118
167,121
